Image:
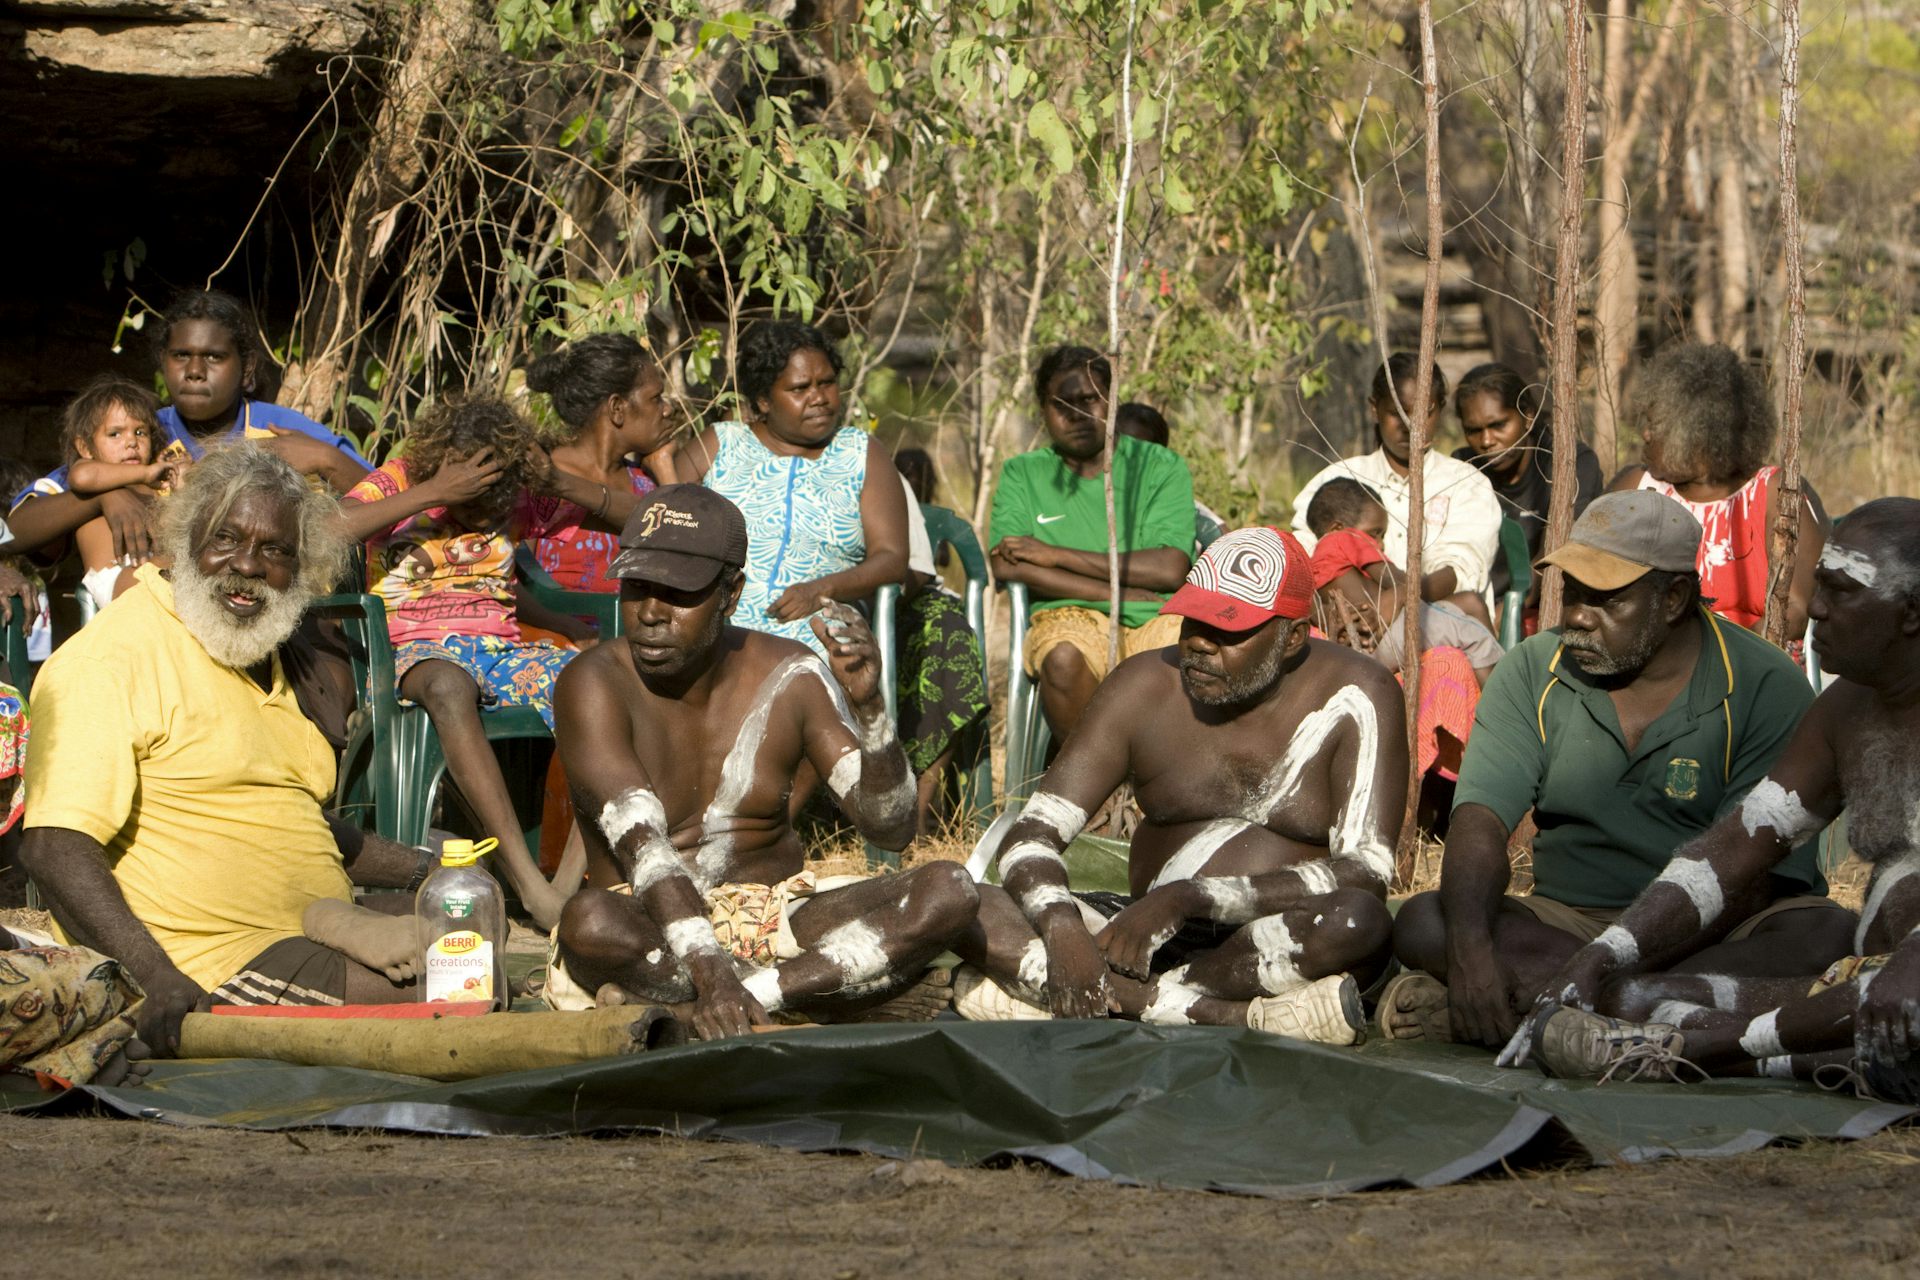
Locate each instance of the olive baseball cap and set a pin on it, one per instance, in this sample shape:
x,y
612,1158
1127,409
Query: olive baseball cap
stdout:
x,y
1621,536
681,536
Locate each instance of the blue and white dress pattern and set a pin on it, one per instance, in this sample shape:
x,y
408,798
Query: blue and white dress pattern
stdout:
x,y
803,517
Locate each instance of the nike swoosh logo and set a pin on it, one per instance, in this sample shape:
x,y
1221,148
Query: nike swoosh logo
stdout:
x,y
1047,519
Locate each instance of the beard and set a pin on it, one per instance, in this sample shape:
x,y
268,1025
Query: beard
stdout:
x,y
1586,653
1232,691
233,641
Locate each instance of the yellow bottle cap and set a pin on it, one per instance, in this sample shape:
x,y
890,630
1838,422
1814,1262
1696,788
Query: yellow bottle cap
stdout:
x,y
464,853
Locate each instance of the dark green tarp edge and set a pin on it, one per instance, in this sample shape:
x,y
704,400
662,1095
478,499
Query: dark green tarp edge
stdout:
x,y
1205,1108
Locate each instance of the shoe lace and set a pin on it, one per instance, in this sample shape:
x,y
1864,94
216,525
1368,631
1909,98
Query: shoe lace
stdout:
x,y
1648,1060
1835,1076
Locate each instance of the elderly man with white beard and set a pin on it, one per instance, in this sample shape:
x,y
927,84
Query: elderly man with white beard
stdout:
x,y
174,789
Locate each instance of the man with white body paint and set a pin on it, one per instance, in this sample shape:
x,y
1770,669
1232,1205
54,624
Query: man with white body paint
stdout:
x,y
1627,733
1853,751
681,743
1271,771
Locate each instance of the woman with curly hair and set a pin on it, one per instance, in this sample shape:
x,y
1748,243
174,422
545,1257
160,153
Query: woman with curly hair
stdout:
x,y
1707,426
441,523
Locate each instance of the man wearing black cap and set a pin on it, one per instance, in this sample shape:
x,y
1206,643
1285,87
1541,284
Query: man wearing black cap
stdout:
x,y
1627,733
1271,770
681,744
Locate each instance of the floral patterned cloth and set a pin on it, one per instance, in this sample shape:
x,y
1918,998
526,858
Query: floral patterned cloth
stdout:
x,y
63,1011
13,755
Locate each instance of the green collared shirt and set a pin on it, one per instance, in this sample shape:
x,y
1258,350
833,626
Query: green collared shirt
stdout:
x,y
1546,738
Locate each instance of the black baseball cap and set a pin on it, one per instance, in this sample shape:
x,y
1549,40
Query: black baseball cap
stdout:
x,y
682,536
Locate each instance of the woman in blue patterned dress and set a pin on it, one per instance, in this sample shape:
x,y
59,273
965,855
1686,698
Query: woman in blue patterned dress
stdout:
x,y
826,511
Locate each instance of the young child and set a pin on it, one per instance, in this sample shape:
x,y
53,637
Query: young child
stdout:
x,y
209,355
108,441
441,524
1345,503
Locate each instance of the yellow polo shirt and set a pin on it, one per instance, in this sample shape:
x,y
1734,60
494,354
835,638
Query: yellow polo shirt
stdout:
x,y
205,791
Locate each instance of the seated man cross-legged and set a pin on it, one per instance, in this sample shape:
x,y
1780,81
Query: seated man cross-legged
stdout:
x,y
174,791
1628,732
1271,769
1853,750
681,742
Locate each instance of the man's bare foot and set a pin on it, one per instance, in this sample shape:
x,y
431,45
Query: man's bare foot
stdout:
x,y
126,1068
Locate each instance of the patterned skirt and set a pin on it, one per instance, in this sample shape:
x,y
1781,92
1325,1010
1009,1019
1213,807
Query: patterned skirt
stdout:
x,y
942,684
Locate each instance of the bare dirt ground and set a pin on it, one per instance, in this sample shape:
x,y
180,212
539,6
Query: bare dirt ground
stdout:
x,y
96,1197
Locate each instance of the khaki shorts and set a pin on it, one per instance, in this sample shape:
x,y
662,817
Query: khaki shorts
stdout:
x,y
1587,923
754,922
1086,631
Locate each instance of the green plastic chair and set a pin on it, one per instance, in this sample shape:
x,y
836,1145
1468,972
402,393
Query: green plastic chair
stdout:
x,y
973,751
602,608
393,762
1027,730
1513,605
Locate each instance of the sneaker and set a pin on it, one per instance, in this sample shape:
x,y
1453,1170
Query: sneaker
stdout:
x,y
1577,1045
1414,1007
978,998
1326,1012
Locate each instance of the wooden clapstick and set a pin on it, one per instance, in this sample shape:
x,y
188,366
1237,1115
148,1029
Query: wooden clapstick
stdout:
x,y
440,1048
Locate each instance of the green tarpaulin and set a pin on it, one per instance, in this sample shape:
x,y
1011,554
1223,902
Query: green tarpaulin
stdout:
x,y
1187,1107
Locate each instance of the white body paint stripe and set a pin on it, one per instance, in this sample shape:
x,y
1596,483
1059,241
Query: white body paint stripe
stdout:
x,y
846,774
1625,947
1231,899
1274,954
1061,816
690,937
1173,1001
1317,877
855,947
658,861
1042,896
1190,858
764,985
1883,884
1027,851
1725,988
1762,1037
1838,559
1696,878
1780,1068
1771,805
1032,973
1674,1012
634,807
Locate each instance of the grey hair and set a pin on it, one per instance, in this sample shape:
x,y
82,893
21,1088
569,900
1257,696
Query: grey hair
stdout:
x,y
1706,405
1894,524
219,480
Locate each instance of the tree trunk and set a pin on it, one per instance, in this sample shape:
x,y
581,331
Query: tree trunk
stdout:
x,y
1566,307
1786,531
439,42
1730,199
1411,594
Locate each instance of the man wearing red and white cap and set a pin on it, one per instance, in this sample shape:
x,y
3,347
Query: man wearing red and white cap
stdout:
x,y
1271,771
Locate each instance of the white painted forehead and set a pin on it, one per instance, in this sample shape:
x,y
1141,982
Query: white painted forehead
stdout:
x,y
1851,562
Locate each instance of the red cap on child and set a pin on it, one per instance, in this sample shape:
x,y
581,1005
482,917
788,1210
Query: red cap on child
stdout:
x,y
1340,551
1245,578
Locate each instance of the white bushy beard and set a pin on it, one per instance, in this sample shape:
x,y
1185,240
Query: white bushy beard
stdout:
x,y
230,640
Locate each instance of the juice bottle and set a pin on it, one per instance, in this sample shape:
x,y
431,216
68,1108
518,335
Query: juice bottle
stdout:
x,y
463,928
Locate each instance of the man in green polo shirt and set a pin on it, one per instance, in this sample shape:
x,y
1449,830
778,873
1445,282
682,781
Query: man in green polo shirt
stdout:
x,y
1049,531
1627,733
